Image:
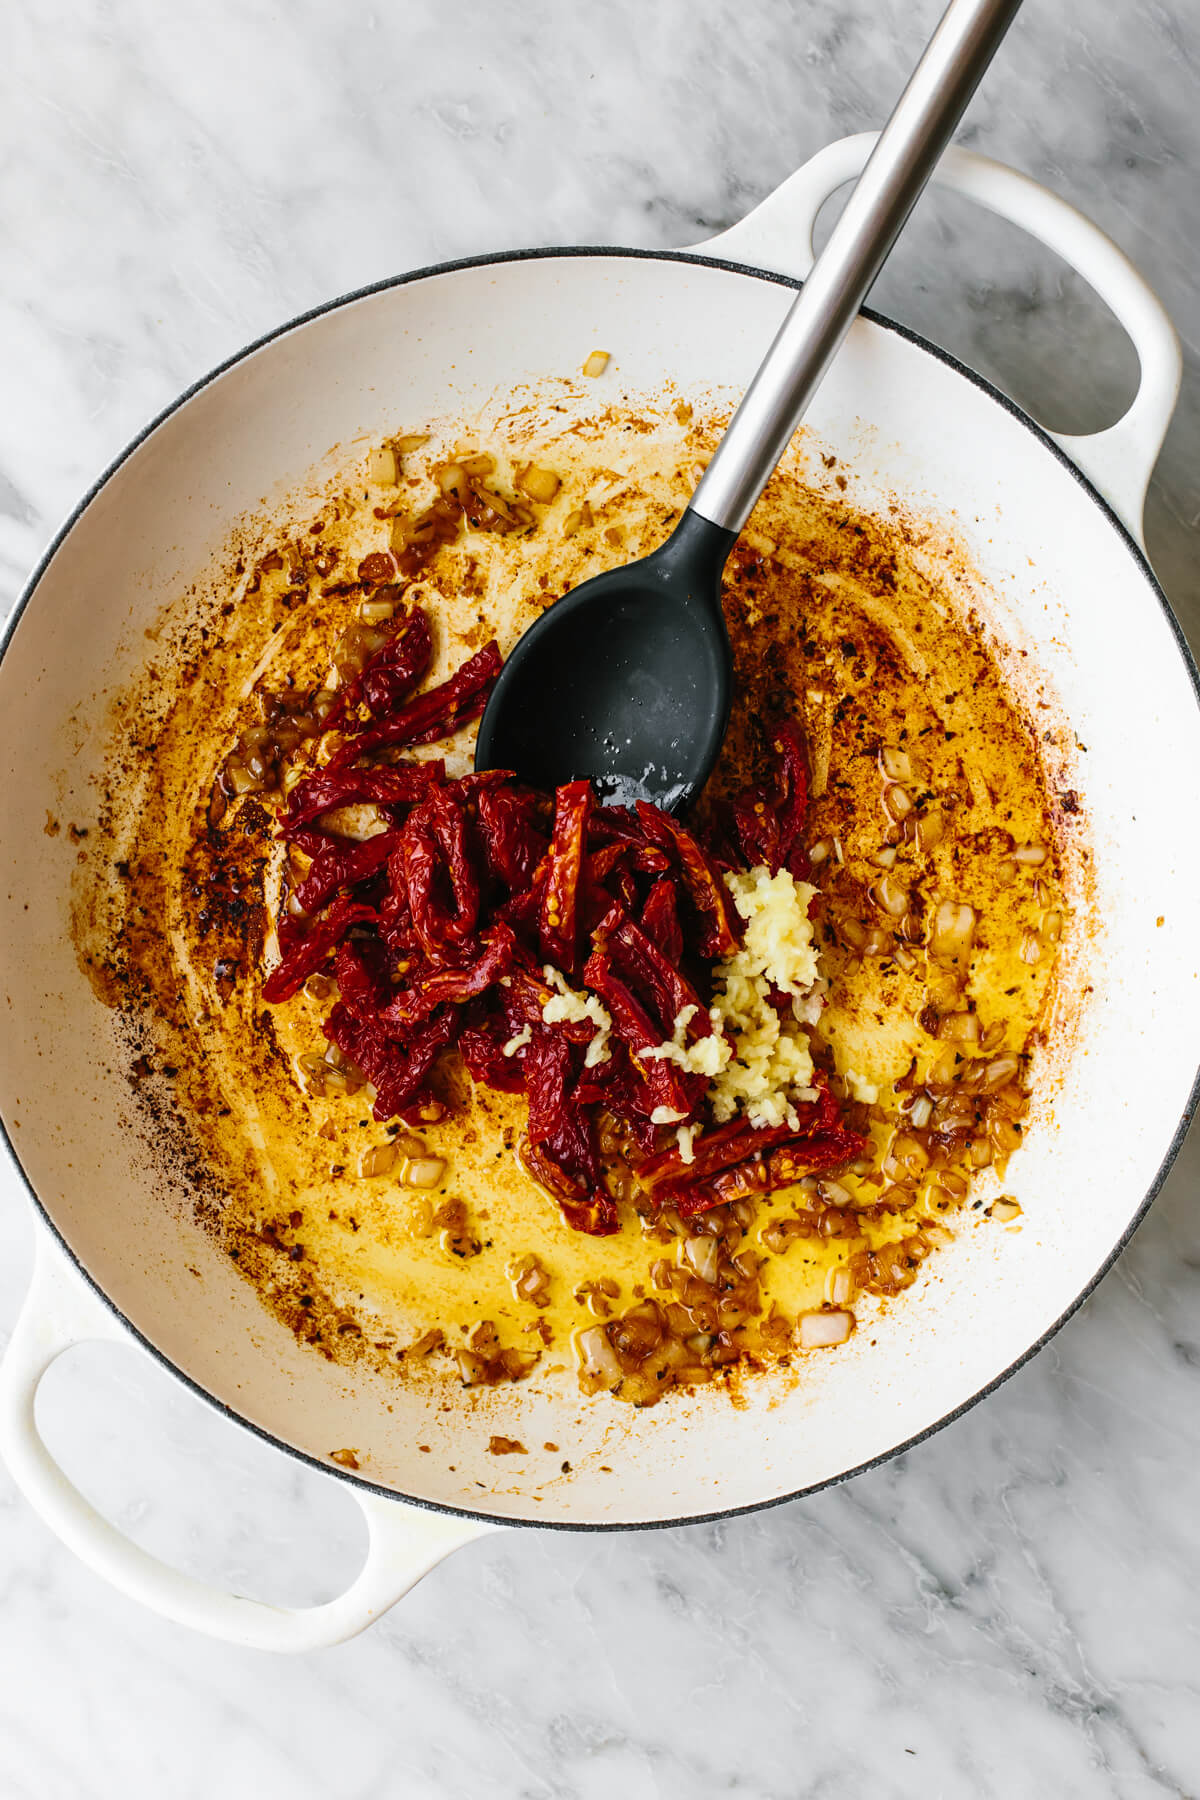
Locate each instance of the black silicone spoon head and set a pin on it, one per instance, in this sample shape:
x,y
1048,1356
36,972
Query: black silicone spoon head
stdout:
x,y
626,680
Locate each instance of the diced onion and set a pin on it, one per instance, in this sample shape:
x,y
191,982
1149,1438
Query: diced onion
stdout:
x,y
383,467
822,1330
953,929
373,612
539,484
891,897
597,1357
840,1286
380,1159
703,1255
423,1171
931,828
960,1028
999,1073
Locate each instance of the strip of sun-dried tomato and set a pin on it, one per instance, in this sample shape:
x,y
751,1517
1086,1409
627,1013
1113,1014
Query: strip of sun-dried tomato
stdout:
x,y
399,784
594,1213
728,1144
437,713
361,972
558,917
339,864
390,675
399,1072
453,986
769,821
660,919
762,1174
669,1087
510,827
643,964
701,878
305,957
433,871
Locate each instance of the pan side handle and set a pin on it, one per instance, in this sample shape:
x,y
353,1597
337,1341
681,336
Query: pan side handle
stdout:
x,y
405,1542
778,235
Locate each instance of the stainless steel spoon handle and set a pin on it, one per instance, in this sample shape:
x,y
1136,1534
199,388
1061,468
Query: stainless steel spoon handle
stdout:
x,y
901,163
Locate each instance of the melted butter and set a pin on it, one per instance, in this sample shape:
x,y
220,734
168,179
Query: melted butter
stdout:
x,y
841,621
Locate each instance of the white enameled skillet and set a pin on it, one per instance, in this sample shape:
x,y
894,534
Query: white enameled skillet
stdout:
x,y
1054,524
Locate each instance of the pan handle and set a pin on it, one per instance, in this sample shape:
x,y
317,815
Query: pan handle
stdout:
x,y
405,1542
778,235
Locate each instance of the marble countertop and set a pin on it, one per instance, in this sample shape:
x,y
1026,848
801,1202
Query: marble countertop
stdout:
x,y
1008,1610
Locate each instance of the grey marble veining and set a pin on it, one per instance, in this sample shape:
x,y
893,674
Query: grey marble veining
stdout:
x,y
1009,1610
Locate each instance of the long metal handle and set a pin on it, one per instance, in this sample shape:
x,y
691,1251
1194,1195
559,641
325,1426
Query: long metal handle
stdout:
x,y
918,131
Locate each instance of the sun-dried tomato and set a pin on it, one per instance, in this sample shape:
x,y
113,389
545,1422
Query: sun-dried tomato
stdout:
x,y
558,920
305,956
768,821
390,675
433,872
510,831
477,883
701,879
398,1070
360,968
437,713
653,976
454,986
660,920
390,786
668,1086
339,864
594,1212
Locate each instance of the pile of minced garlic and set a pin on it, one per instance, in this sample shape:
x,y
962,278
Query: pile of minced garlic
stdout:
x,y
757,1059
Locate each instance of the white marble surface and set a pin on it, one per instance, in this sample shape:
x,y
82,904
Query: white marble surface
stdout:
x,y
1010,1610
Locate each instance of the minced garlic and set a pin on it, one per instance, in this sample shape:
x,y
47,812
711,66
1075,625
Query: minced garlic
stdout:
x,y
571,1007
860,1088
758,1062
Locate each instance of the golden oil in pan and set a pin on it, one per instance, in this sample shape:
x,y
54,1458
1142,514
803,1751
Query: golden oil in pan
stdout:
x,y
831,614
